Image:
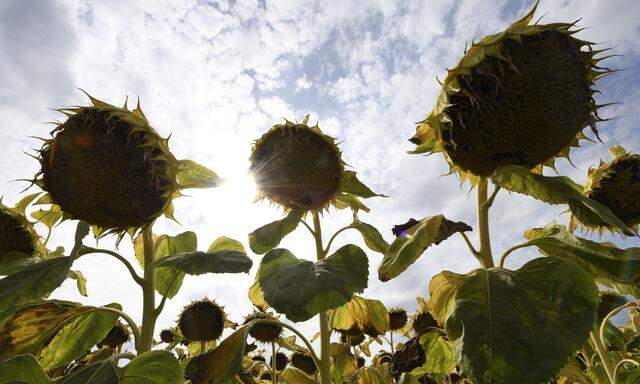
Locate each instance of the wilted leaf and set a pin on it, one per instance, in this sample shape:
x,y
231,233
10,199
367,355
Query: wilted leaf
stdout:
x,y
78,337
33,282
257,296
267,237
344,364
220,364
29,328
603,261
301,289
521,326
362,313
23,369
372,237
154,367
406,249
292,375
554,190
349,183
374,374
193,175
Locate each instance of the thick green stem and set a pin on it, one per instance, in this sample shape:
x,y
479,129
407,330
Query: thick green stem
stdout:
x,y
486,258
604,357
148,292
391,343
325,335
274,369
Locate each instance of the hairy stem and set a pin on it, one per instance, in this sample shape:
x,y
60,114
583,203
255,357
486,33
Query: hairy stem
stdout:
x,y
486,258
87,250
391,343
274,371
148,292
325,359
604,357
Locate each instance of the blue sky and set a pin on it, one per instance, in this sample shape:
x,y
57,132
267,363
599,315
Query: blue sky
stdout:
x,y
216,75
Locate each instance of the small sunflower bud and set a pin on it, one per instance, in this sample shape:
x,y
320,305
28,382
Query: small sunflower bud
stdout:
x,y
167,336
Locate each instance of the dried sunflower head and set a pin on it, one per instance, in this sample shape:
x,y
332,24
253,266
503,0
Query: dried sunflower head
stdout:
x,y
519,97
616,185
118,335
609,301
354,340
297,166
202,321
422,321
18,238
264,332
167,336
107,166
409,357
304,362
397,318
281,361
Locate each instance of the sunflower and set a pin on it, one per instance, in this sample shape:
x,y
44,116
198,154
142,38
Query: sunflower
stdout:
x,y
202,321
18,238
519,97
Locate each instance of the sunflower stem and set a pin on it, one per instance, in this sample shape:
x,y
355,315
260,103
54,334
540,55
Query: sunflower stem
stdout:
x,y
325,359
274,372
486,258
604,357
391,343
148,292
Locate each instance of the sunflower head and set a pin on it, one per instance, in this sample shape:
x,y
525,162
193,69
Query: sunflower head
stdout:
x,y
397,318
264,332
409,357
18,238
422,321
202,321
354,340
609,301
519,97
297,166
281,361
616,185
304,362
118,335
167,336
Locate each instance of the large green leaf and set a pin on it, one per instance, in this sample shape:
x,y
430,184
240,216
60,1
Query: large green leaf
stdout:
x,y
23,369
267,237
555,190
301,289
605,262
224,256
406,249
19,263
33,282
104,372
220,364
29,328
442,291
372,237
154,367
521,326
193,175
362,313
349,183
439,357
77,338
168,280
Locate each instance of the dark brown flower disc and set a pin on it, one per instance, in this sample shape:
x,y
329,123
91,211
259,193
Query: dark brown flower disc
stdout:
x,y
397,319
409,357
202,321
167,336
15,236
608,302
98,169
281,361
618,188
422,322
304,362
118,335
263,332
522,110
297,166
355,339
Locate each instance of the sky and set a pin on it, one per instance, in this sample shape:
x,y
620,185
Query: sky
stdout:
x,y
216,75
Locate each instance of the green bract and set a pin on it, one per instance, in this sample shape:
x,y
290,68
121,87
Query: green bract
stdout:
x,y
518,97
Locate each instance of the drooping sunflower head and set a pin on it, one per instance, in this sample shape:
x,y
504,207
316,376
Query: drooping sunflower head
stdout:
x,y
519,97
422,321
107,166
304,362
18,238
167,336
281,361
118,335
397,318
352,339
264,332
407,358
609,301
202,321
297,166
616,185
